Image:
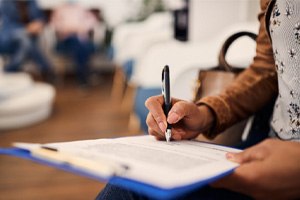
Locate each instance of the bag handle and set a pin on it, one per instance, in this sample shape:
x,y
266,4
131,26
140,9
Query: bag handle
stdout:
x,y
223,65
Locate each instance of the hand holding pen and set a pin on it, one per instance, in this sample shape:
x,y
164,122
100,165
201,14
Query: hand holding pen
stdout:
x,y
183,119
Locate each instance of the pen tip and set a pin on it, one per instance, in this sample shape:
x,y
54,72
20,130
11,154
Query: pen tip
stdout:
x,y
168,135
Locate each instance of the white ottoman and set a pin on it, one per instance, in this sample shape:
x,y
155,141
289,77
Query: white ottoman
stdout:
x,y
23,102
13,83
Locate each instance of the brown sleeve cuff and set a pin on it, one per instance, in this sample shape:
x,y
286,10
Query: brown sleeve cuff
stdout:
x,y
220,110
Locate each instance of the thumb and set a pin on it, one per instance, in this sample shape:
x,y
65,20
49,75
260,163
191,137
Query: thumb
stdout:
x,y
237,157
254,153
180,110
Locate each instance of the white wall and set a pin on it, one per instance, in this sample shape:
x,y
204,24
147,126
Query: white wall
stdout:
x,y
114,11
208,17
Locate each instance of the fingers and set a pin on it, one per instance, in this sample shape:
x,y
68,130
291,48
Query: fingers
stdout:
x,y
229,182
257,152
246,179
154,105
153,128
248,175
157,122
179,111
178,133
245,156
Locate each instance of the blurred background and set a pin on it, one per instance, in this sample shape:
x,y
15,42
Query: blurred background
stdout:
x,y
82,69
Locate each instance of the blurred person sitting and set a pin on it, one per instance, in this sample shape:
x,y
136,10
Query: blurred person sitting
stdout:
x,y
21,22
73,25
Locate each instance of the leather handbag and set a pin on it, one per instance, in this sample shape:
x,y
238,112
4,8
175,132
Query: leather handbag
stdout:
x,y
212,81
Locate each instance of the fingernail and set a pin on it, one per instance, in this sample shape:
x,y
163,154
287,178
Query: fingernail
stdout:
x,y
173,117
162,126
230,156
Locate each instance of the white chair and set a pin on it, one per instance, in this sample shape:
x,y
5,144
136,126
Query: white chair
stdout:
x,y
132,40
13,83
22,101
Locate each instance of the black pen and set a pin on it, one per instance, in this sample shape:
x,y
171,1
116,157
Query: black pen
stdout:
x,y
167,98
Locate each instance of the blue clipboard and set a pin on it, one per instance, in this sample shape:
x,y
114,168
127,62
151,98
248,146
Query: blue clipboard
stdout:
x,y
133,185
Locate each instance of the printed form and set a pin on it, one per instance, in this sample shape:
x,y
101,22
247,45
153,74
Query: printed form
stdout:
x,y
144,159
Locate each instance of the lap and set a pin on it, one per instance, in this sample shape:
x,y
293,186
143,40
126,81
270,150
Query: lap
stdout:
x,y
9,39
205,193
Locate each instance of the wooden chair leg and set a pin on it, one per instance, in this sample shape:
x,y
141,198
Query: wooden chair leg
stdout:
x,y
127,103
134,123
119,83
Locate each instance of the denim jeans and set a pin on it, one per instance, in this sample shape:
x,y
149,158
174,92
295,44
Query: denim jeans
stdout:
x,y
80,51
20,46
112,192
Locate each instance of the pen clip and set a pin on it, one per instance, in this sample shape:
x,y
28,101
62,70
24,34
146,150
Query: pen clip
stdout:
x,y
166,85
163,84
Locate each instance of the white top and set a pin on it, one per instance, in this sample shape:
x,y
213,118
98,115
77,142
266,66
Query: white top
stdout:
x,y
72,18
285,34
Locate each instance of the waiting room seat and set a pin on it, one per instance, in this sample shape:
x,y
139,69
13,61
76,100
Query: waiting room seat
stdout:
x,y
131,40
23,102
12,84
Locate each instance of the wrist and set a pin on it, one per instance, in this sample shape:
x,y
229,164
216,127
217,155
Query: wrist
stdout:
x,y
209,121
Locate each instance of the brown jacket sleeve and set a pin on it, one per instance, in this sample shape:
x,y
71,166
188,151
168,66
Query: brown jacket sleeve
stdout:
x,y
252,89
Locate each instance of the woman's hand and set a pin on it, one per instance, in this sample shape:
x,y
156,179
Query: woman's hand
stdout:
x,y
187,119
269,170
35,27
